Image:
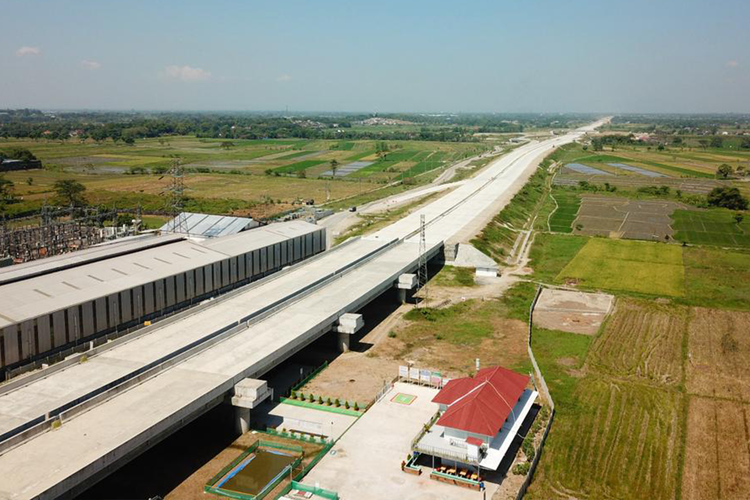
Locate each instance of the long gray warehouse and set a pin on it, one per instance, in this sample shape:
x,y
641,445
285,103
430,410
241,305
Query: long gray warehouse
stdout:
x,y
48,308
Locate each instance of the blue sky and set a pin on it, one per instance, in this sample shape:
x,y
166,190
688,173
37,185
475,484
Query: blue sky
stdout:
x,y
314,55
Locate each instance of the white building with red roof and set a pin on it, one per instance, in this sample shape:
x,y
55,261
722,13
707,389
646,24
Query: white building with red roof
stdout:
x,y
479,417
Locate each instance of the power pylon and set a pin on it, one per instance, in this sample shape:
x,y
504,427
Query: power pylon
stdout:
x,y
177,196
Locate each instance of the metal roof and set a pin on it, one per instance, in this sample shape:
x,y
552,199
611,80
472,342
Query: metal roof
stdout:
x,y
55,263
57,290
209,226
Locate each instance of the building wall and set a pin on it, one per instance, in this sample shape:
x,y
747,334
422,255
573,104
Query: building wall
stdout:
x,y
58,331
463,435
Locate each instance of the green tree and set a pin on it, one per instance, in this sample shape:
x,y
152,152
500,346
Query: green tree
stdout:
x,y
227,145
717,142
727,197
738,218
724,171
334,166
6,190
14,153
70,192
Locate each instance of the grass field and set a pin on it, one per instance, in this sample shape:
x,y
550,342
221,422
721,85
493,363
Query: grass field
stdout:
x,y
561,220
633,266
711,227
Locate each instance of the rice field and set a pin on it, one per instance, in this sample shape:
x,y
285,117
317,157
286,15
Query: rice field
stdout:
x,y
711,227
561,220
631,266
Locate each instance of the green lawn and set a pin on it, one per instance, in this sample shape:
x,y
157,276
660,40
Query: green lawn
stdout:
x,y
711,227
631,266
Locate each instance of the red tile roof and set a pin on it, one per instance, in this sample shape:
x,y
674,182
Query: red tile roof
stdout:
x,y
482,403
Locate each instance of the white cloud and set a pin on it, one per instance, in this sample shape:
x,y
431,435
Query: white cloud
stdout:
x,y
186,73
732,64
284,78
28,51
90,64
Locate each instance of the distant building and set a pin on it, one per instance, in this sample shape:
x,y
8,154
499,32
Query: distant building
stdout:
x,y
8,165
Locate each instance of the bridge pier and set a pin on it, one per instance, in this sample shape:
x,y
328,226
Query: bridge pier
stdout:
x,y
405,282
248,394
348,325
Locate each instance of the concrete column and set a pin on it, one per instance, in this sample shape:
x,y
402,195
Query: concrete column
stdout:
x,y
348,325
405,282
241,419
342,341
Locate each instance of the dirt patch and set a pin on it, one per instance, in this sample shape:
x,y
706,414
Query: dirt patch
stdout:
x,y
717,450
192,487
353,376
432,346
642,340
718,354
570,311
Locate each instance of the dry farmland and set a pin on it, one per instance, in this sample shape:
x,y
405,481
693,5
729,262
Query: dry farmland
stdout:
x,y
717,450
719,354
642,341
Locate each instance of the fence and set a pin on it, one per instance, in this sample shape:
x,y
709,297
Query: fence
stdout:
x,y
545,392
318,492
311,376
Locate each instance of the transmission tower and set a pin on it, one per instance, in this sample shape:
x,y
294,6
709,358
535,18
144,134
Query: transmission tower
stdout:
x,y
422,271
177,196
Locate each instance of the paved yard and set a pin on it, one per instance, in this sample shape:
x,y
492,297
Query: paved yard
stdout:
x,y
366,463
300,419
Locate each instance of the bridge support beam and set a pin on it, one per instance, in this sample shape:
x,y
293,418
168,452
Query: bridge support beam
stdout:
x,y
248,394
348,325
405,282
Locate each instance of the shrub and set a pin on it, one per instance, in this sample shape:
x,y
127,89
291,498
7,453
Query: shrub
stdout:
x,y
392,334
528,447
521,469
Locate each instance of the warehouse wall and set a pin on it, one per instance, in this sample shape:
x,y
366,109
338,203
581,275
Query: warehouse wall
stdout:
x,y
60,331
